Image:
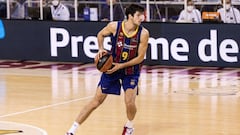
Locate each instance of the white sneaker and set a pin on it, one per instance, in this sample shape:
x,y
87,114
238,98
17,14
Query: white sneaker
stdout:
x,y
69,133
127,131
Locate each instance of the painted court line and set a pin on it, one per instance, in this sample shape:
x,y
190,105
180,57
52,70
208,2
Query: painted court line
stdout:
x,y
51,105
44,107
57,104
43,132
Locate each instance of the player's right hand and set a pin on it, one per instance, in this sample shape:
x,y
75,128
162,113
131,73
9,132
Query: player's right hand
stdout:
x,y
100,53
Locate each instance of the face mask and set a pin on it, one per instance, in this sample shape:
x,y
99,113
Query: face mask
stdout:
x,y
190,8
55,2
228,6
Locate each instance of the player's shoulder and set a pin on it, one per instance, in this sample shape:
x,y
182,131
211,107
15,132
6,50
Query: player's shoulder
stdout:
x,y
145,32
113,24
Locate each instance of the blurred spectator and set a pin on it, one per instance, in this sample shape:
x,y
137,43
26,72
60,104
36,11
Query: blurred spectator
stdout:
x,y
20,10
118,11
230,14
59,11
190,15
3,9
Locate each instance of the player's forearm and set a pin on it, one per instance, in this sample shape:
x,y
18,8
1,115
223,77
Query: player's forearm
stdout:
x,y
100,38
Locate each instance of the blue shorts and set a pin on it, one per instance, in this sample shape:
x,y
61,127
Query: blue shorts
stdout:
x,y
112,83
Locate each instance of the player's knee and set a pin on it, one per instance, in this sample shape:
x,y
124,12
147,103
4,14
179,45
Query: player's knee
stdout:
x,y
96,103
130,104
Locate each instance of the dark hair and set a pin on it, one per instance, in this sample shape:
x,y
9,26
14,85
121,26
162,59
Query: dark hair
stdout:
x,y
133,8
225,1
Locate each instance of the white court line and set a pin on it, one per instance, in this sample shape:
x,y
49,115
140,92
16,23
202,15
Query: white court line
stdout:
x,y
44,107
57,104
62,103
25,125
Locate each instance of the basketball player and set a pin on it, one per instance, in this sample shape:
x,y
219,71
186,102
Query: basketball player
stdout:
x,y
129,45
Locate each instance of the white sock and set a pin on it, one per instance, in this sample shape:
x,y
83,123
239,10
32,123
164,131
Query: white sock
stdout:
x,y
129,124
73,128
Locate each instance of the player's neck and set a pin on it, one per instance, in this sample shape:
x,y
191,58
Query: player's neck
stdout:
x,y
129,26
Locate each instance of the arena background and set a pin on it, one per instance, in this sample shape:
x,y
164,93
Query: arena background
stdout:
x,y
170,44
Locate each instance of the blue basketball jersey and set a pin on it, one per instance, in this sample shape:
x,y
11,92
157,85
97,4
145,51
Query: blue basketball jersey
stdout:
x,y
125,47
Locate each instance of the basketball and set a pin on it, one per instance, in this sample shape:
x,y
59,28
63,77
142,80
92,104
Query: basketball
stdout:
x,y
104,63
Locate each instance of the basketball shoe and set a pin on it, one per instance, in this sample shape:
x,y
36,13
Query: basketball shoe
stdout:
x,y
69,133
127,131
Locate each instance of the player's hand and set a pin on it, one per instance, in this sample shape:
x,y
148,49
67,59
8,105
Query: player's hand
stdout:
x,y
100,53
116,66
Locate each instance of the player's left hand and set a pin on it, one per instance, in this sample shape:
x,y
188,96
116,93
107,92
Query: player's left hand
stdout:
x,y
116,66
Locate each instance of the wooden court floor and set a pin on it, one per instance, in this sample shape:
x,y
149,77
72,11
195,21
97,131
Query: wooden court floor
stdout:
x,y
45,97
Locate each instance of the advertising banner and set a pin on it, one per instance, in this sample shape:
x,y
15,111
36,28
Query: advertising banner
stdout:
x,y
169,43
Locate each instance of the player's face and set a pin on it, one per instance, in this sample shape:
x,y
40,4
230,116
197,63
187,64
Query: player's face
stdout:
x,y
138,17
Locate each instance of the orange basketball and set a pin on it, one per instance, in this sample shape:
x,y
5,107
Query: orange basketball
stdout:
x,y
104,63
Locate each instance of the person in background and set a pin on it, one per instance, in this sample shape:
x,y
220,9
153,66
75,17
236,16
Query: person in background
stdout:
x,y
190,15
3,9
20,10
118,12
232,14
59,11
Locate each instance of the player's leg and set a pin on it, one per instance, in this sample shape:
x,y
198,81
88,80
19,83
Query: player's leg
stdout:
x,y
87,110
130,86
92,105
108,84
131,109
